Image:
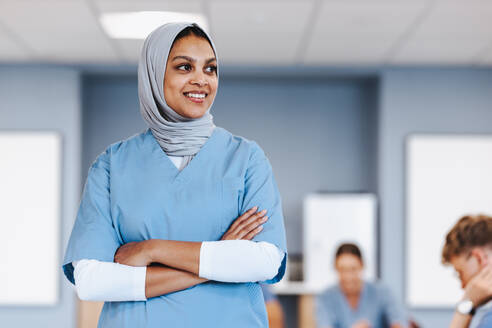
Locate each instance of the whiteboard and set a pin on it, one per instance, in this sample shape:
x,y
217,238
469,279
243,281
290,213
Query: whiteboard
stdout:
x,y
30,177
332,219
448,176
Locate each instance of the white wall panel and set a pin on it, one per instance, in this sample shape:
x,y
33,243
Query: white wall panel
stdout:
x,y
448,176
30,183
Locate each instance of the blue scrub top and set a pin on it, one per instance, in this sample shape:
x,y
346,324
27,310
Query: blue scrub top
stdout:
x,y
134,192
482,317
376,305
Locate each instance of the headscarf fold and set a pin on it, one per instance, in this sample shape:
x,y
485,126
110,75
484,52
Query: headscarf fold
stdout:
x,y
177,135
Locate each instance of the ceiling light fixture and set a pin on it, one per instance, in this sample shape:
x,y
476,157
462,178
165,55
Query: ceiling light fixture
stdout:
x,y
137,25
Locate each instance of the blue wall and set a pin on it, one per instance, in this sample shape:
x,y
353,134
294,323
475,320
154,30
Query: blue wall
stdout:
x,y
110,113
428,101
46,99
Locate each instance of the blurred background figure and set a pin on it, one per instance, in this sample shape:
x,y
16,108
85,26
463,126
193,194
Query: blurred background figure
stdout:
x,y
276,318
468,248
355,303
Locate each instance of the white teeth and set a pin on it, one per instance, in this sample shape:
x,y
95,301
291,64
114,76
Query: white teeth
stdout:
x,y
196,95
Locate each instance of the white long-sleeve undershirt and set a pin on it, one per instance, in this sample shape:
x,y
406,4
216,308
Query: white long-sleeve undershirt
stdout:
x,y
226,261
107,281
239,260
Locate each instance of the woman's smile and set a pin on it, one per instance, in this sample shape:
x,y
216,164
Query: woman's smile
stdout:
x,y
190,81
196,96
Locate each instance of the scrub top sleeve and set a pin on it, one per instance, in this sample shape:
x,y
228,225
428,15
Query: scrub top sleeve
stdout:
x,y
394,311
93,235
325,316
260,189
486,320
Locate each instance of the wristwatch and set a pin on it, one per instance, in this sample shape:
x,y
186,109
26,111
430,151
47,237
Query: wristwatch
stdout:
x,y
465,307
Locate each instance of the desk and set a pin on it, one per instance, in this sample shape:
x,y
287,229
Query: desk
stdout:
x,y
305,301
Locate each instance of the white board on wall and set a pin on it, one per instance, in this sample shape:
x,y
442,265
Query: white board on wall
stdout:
x,y
332,219
30,179
448,176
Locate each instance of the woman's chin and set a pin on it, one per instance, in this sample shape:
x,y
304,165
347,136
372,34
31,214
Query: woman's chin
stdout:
x,y
193,113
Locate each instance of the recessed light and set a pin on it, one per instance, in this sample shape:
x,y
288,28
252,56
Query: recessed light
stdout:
x,y
137,25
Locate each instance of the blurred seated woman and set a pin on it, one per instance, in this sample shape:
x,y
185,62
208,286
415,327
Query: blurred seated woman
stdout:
x,y
355,303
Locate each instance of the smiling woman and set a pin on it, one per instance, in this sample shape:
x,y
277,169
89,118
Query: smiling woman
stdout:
x,y
191,81
172,229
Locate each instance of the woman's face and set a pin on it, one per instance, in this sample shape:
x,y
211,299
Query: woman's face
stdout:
x,y
190,81
349,268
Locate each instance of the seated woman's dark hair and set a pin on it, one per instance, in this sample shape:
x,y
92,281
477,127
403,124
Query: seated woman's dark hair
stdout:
x,y
195,30
348,248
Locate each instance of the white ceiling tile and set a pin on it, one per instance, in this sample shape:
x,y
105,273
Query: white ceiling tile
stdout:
x,y
359,32
148,5
130,49
258,32
10,50
58,30
454,32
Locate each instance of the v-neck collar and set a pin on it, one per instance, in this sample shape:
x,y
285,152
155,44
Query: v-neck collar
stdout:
x,y
183,175
361,302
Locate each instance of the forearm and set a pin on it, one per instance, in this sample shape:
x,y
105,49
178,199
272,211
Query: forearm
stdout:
x,y
460,320
106,281
182,255
226,261
161,280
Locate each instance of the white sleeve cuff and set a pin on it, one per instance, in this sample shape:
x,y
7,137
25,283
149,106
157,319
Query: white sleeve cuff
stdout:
x,y
107,281
239,260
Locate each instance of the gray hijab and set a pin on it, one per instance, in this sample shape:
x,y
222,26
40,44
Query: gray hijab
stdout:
x,y
177,135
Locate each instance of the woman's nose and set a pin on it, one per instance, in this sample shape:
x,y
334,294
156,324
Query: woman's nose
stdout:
x,y
199,79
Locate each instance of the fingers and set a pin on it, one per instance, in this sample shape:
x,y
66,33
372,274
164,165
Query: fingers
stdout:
x,y
253,233
243,217
246,226
488,269
253,225
488,275
486,272
248,221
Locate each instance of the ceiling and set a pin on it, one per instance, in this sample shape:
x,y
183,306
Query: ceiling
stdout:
x,y
263,32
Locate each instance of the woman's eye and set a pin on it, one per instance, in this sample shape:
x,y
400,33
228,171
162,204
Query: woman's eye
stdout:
x,y
184,67
211,69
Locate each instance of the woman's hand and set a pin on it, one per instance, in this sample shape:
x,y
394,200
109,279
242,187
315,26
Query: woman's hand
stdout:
x,y
247,226
134,254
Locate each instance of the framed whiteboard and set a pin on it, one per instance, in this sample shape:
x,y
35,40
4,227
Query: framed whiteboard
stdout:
x,y
332,219
30,183
448,176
